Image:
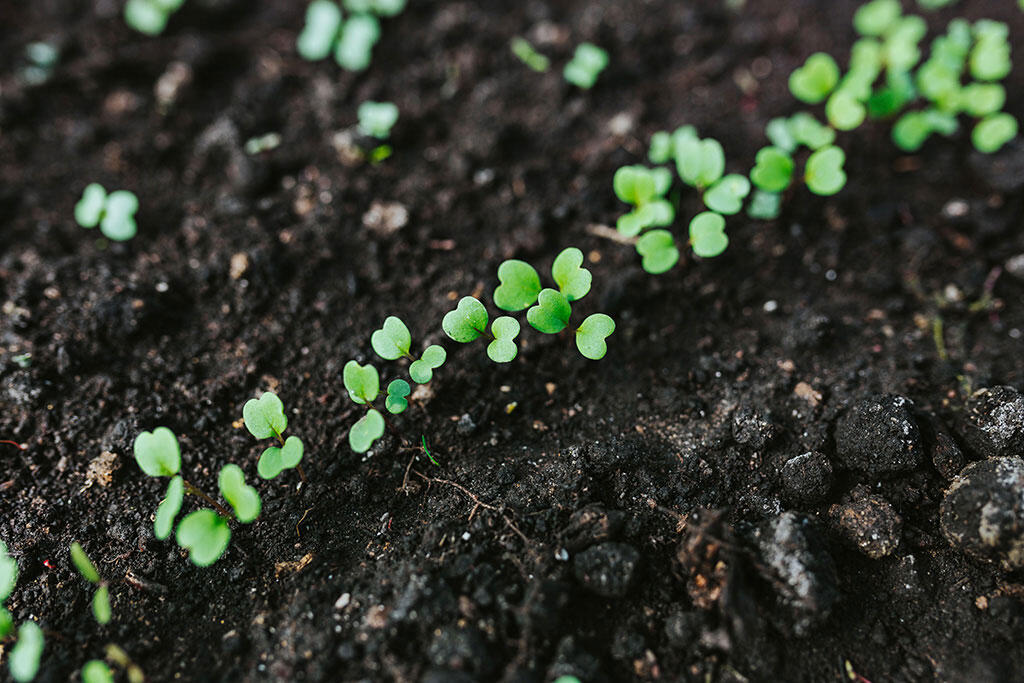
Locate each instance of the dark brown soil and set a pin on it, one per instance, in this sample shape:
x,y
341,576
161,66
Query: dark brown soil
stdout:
x,y
618,523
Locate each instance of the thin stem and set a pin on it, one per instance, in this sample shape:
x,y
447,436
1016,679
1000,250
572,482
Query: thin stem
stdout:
x,y
189,488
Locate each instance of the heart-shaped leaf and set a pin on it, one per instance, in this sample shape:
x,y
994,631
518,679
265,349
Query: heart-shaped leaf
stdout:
x,y
844,111
660,151
764,205
658,212
994,131
591,335
824,173
264,417
275,460
727,194
813,81
243,498
659,252
503,348
323,21
205,534
393,340
170,506
551,314
377,118
634,185
781,136
396,401
23,661
773,170
157,452
354,47
368,429
467,322
422,370
89,208
699,162
101,605
520,285
875,18
810,132
586,64
707,234
362,382
83,564
573,280
118,222
96,671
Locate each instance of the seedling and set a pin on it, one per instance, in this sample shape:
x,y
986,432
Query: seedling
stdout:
x,y
586,65
699,162
243,498
773,170
114,212
101,598
994,131
913,128
824,173
550,315
591,335
658,251
363,385
205,534
707,234
502,348
323,22
812,82
26,654
265,419
393,341
350,40
526,53
764,205
645,189
422,371
97,671
397,398
150,16
990,57
377,118
726,195
358,36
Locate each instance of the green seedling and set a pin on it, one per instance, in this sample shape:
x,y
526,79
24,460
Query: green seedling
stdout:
x,y
397,398
726,195
423,442
97,671
468,322
572,278
244,499
809,132
368,429
844,111
519,286
358,36
990,57
158,453
23,662
265,419
323,23
350,40
824,173
42,59
393,341
764,205
994,131
707,234
526,53
645,189
150,16
363,386
262,144
876,18
585,66
377,118
591,336
913,128
773,170
502,348
422,371
981,99
658,251
168,509
205,534
101,599
550,315
660,151
114,212
699,162
812,82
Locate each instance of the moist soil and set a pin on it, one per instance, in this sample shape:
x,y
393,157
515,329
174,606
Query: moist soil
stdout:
x,y
628,519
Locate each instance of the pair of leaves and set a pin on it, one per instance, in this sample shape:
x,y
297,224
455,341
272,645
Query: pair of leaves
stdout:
x,y
23,661
422,370
469,319
812,82
824,172
397,398
773,169
326,30
707,234
276,459
799,129
586,65
377,118
264,417
726,195
658,251
114,212
699,162
994,131
520,285
393,341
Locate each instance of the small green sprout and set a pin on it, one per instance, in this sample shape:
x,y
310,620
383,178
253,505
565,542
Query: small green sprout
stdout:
x,y
550,315
467,322
393,340
990,57
397,398
422,371
658,251
764,205
981,99
809,132
114,213
660,151
812,82
168,509
101,599
262,143
205,534
265,419
707,234
876,18
591,336
323,22
994,131
519,285
365,431
844,111
568,272
150,16
423,441
913,128
26,654
824,173
97,671
350,40
901,43
726,195
645,189
244,499
699,162
358,36
377,118
502,348
586,65
362,382
773,169
529,56
158,453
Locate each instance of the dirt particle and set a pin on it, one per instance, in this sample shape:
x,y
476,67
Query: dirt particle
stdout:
x,y
101,469
994,422
807,478
294,567
983,511
385,218
607,569
879,436
869,523
805,391
239,264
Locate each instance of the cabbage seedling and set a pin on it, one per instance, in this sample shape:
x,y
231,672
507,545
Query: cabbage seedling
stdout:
x,y
844,111
265,419
354,49
726,195
393,341
150,16
707,234
824,173
645,189
699,162
502,348
323,22
913,128
97,671
26,654
658,251
529,56
114,212
519,285
591,336
990,56
397,398
877,17
101,599
773,169
243,498
377,118
812,82
586,65
351,40
205,534
994,131
550,315
363,386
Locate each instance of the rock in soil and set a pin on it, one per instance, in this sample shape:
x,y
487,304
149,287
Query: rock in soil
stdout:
x,y
800,568
994,422
869,523
607,569
879,436
591,524
807,478
983,511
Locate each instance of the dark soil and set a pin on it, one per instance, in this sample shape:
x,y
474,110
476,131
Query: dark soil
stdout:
x,y
629,519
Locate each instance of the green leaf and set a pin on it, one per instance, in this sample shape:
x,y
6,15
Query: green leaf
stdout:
x,y
982,99
810,132
396,401
877,17
393,340
422,370
661,148
118,222
101,605
145,17
585,66
551,314
707,234
6,622
368,429
323,21
591,335
779,132
275,460
901,50
812,82
520,285
824,173
354,48
467,322
205,534
503,348
994,131
377,118
170,506
264,417
699,162
529,56
83,564
573,280
658,251
843,111
362,382
910,131
727,194
89,208
633,185
8,573
990,59
773,169
96,671
658,212
764,205
157,452
23,661
243,498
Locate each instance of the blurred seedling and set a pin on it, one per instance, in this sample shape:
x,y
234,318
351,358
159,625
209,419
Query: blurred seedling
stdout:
x,y
351,40
98,671
42,59
114,212
645,189
377,118
363,385
25,655
529,56
150,16
101,598
586,65
265,419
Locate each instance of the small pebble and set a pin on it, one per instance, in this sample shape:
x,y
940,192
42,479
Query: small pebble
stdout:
x,y
983,511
